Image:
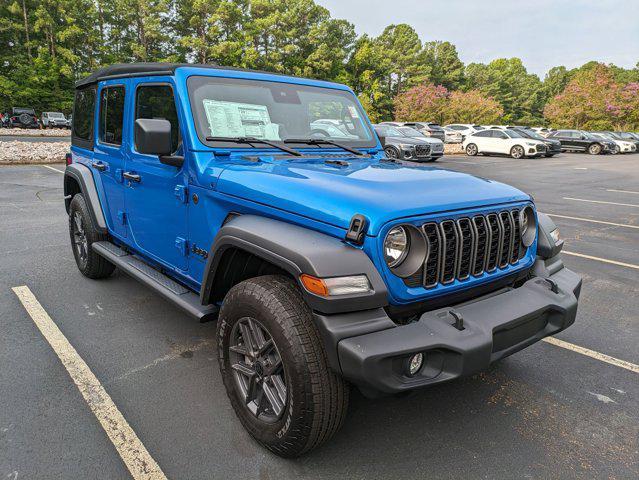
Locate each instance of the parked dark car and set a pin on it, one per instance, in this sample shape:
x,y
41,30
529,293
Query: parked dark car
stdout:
x,y
398,146
553,147
22,118
429,129
580,141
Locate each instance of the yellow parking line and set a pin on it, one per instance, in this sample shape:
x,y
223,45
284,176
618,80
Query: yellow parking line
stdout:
x,y
621,191
135,456
600,201
51,168
593,354
599,259
593,221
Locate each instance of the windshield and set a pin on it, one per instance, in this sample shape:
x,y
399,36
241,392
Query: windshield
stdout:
x,y
232,108
531,134
18,111
387,131
410,132
514,134
55,115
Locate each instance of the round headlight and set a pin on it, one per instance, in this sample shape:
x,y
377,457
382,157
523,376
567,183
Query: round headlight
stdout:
x,y
528,226
396,246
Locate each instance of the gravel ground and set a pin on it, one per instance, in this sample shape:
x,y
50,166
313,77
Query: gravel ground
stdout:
x,y
24,132
14,152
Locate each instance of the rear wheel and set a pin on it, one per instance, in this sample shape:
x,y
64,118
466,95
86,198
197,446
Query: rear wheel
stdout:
x,y
594,149
275,369
83,235
471,149
517,152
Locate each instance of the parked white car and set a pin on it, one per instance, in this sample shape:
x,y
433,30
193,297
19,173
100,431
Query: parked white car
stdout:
x,y
453,136
55,120
464,129
436,145
503,142
621,146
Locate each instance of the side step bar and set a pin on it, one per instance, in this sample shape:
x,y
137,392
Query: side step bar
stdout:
x,y
165,286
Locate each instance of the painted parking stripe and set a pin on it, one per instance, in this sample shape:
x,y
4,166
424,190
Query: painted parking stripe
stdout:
x,y
593,354
599,259
625,225
135,456
51,168
600,201
621,191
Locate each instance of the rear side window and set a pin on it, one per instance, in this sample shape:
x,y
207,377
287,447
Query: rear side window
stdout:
x,y
83,109
156,101
111,115
485,133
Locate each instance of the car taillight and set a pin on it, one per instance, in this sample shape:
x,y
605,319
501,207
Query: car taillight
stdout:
x,y
14,119
69,158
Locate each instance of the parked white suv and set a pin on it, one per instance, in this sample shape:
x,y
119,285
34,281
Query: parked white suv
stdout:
x,y
504,142
55,120
464,129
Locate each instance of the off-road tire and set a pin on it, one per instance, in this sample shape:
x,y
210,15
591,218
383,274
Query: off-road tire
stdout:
x,y
594,149
317,398
90,265
471,150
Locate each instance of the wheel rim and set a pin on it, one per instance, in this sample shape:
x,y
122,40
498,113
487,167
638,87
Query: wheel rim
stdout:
x,y
391,153
594,149
257,367
471,150
80,238
518,152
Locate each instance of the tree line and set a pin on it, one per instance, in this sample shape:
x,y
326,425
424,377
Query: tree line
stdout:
x,y
46,45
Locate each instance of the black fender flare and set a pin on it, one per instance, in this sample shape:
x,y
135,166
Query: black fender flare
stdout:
x,y
82,175
298,250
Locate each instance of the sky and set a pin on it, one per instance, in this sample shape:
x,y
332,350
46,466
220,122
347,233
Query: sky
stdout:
x,y
543,33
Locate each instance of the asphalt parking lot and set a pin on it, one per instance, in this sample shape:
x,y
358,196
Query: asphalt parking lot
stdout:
x,y
546,412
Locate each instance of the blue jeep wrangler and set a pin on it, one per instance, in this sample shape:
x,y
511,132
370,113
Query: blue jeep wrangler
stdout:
x,y
265,201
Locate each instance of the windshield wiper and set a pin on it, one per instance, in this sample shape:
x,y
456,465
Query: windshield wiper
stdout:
x,y
322,141
250,140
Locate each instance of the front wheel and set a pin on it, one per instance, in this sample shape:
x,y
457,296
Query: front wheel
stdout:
x,y
594,149
471,149
275,369
392,153
517,152
616,150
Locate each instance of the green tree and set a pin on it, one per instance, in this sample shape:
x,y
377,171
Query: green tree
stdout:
x,y
444,64
556,80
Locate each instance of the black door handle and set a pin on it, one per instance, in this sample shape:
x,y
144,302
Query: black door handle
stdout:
x,y
134,177
99,166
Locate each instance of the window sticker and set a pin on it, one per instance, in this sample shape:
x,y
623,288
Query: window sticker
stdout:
x,y
353,111
230,119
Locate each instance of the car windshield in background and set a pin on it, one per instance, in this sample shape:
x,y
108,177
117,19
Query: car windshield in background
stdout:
x,y
478,127
514,134
410,132
274,111
531,134
18,111
388,131
55,115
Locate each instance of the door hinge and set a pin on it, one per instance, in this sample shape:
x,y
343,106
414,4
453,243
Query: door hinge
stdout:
x,y
182,245
122,217
182,193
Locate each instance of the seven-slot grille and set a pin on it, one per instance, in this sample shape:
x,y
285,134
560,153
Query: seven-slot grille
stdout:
x,y
422,150
469,246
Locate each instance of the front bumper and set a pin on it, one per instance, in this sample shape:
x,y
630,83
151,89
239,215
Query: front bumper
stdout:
x,y
495,326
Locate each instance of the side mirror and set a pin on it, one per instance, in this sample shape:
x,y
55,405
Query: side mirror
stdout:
x,y
382,139
153,137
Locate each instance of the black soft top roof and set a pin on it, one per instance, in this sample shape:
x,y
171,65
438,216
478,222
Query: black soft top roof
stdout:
x,y
122,70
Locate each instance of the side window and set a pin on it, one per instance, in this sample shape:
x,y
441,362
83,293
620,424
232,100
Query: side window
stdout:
x,y
484,134
111,115
156,101
83,110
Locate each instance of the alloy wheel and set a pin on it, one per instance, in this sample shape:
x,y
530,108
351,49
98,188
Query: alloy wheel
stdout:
x,y
80,238
258,370
391,153
471,150
517,152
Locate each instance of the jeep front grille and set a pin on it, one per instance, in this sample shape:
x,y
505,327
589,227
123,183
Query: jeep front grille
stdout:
x,y
469,247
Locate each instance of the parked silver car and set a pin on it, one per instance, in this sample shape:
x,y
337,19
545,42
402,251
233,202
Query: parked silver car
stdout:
x,y
54,120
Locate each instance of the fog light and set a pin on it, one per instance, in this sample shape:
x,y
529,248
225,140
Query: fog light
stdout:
x,y
415,364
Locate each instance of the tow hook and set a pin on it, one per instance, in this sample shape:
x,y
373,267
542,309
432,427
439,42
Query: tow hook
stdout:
x,y
459,320
554,288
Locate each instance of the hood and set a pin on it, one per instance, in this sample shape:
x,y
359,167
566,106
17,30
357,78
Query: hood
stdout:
x,y
381,191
